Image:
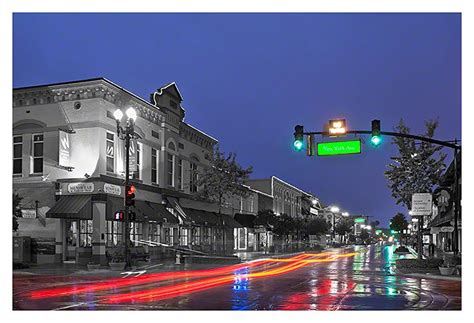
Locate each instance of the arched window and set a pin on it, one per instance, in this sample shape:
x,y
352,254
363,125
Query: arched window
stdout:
x,y
171,146
193,178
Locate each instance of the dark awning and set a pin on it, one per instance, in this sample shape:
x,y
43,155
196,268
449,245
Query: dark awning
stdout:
x,y
247,220
72,207
230,222
165,215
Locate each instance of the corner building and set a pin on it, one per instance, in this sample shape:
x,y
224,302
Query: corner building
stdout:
x,y
69,170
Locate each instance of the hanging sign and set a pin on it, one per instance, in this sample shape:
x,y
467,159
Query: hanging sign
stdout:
x,y
64,148
28,213
132,155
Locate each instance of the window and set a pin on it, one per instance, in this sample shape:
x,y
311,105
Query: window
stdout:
x,y
180,174
136,233
180,146
196,235
137,174
155,134
110,152
170,168
168,235
183,236
206,236
154,232
193,178
38,153
154,166
17,154
85,233
114,233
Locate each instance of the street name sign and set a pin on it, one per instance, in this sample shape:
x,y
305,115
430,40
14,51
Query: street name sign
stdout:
x,y
421,204
333,148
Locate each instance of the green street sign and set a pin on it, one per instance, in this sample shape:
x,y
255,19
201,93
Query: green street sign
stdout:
x,y
359,220
339,148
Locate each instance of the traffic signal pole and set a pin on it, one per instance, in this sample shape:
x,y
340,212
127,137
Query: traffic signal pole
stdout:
x,y
454,146
126,233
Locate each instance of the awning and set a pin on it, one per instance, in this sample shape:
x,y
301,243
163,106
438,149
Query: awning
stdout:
x,y
163,213
230,222
72,207
175,205
247,220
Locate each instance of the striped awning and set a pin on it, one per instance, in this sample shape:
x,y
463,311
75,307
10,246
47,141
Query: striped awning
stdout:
x,y
72,207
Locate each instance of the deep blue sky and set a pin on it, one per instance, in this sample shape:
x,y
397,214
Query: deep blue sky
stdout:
x,y
248,79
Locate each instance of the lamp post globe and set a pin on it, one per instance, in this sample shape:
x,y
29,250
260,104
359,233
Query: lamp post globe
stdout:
x,y
118,114
131,114
334,209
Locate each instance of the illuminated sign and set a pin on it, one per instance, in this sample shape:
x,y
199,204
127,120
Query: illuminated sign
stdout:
x,y
337,127
339,148
359,220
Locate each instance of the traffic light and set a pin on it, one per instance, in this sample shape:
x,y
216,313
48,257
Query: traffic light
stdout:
x,y
298,144
130,196
376,138
119,215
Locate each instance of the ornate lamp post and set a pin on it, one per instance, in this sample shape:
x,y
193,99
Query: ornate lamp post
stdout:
x,y
126,133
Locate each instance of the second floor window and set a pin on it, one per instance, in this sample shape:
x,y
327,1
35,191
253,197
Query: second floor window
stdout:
x,y
17,154
38,153
110,152
193,178
154,166
180,174
137,174
170,167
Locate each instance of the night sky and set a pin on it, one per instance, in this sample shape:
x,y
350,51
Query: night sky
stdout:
x,y
248,79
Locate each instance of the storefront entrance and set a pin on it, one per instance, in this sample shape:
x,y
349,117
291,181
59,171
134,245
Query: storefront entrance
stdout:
x,y
72,238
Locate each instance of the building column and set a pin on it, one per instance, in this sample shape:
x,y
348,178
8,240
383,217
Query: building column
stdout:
x,y
60,241
98,234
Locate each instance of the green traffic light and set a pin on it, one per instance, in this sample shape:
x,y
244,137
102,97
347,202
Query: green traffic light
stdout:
x,y
376,140
298,144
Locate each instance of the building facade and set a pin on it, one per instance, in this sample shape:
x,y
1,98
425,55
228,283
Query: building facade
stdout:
x,y
69,170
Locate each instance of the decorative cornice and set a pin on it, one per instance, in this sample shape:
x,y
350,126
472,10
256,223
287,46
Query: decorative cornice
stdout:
x,y
96,89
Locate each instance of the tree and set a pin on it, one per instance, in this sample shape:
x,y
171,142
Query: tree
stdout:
x,y
265,218
284,225
223,180
418,167
317,226
364,234
398,223
16,210
343,227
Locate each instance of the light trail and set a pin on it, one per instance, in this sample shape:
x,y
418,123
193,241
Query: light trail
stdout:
x,y
166,292
150,278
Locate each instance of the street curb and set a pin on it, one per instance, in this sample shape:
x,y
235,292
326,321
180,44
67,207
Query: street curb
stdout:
x,y
427,276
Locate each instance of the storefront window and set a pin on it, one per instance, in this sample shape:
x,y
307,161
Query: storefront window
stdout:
x,y
85,233
207,236
114,233
183,236
154,233
136,233
196,235
168,236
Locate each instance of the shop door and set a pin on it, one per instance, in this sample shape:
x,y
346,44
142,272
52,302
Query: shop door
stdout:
x,y
72,237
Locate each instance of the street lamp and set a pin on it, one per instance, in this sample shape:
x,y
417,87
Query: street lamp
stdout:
x,y
126,133
345,213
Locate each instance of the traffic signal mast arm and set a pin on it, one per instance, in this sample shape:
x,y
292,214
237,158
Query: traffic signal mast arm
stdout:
x,y
393,134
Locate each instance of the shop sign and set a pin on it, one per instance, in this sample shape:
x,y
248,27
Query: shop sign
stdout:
x,y
112,189
64,148
80,187
421,204
28,213
447,229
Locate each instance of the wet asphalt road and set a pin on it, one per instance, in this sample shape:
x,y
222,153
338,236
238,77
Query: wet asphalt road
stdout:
x,y
356,278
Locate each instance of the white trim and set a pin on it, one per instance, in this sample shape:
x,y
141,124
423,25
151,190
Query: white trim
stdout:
x,y
160,90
